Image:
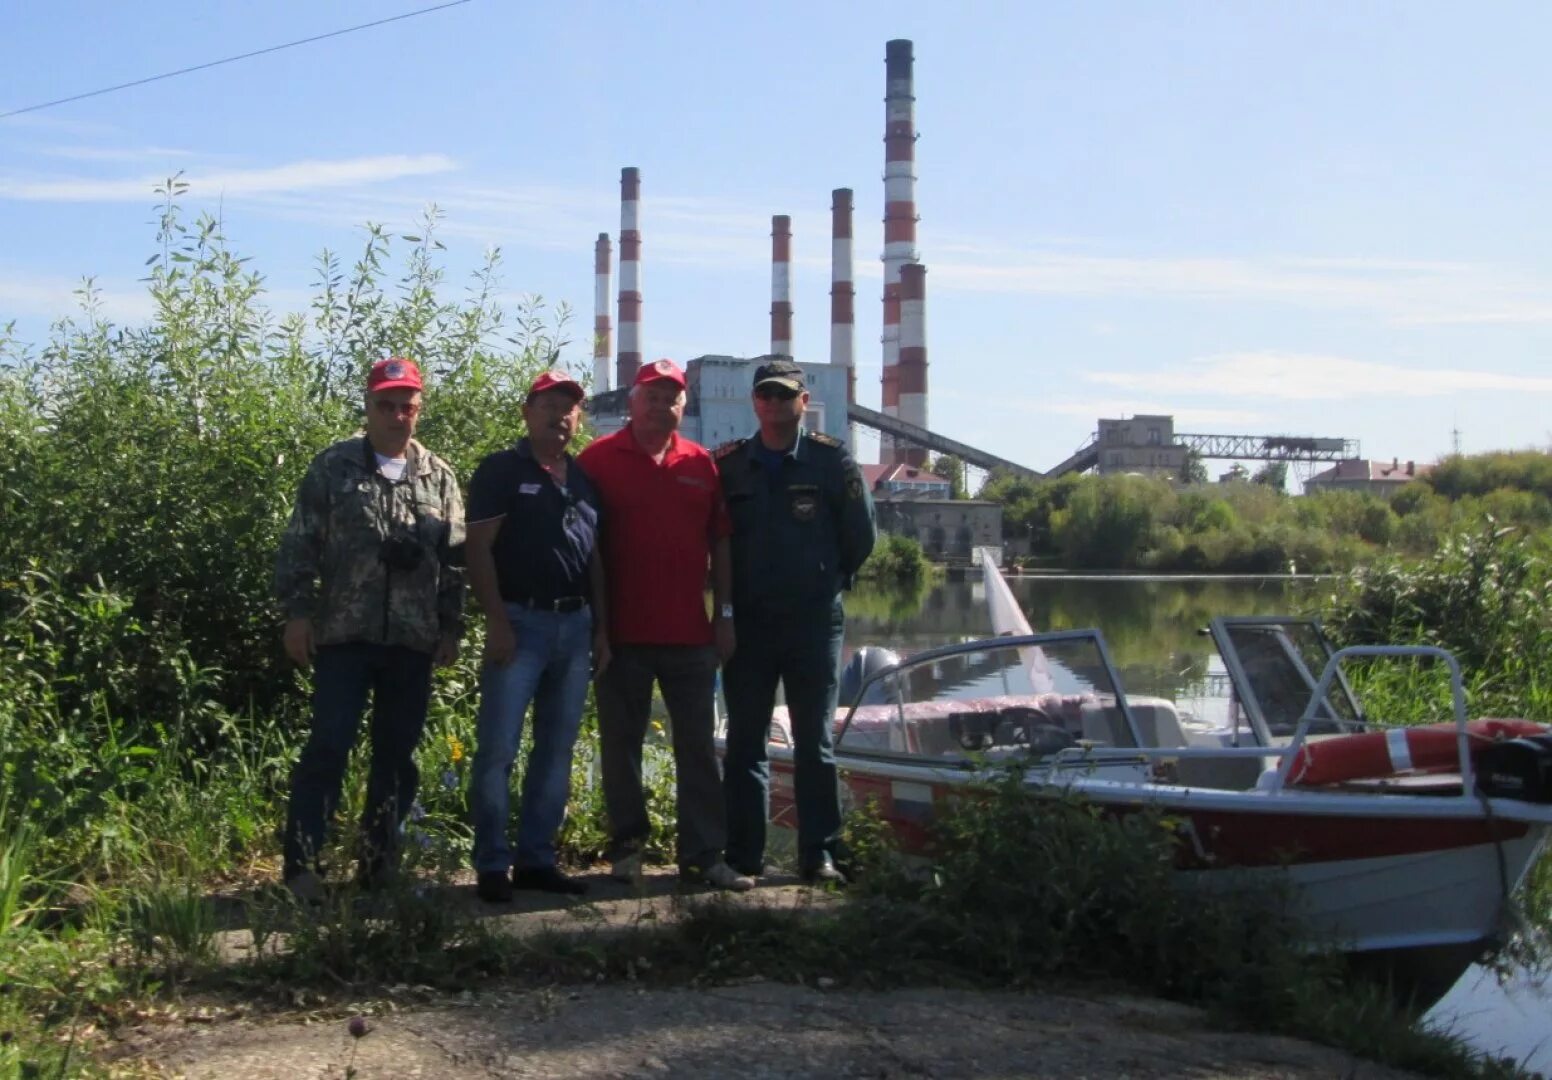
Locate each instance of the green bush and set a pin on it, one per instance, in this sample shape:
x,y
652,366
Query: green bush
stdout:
x,y
896,561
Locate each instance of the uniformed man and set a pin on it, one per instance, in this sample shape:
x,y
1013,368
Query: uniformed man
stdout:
x,y
368,577
802,527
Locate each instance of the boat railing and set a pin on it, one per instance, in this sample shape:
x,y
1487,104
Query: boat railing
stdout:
x,y
1080,756
1328,676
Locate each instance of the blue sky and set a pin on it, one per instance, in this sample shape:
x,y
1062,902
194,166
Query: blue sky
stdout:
x,y
1262,218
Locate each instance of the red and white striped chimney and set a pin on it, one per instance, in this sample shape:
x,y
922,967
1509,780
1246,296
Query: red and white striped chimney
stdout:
x,y
629,358
603,330
843,323
781,285
899,217
911,380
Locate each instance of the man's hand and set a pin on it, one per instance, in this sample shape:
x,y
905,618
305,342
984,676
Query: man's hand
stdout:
x,y
500,642
727,642
298,641
602,654
446,652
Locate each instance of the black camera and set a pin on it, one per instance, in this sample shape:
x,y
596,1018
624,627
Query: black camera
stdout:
x,y
401,552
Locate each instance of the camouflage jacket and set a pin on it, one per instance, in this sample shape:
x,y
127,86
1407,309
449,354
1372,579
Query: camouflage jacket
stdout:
x,y
331,567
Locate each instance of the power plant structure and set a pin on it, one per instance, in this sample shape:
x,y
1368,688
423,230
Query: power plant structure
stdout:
x,y
718,407
629,360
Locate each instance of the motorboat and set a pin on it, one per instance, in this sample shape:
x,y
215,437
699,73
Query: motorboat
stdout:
x,y
1411,864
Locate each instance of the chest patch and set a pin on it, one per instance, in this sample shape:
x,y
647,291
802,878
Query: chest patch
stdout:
x,y
529,489
804,505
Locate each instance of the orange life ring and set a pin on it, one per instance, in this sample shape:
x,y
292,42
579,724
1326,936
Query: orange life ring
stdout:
x,y
1398,750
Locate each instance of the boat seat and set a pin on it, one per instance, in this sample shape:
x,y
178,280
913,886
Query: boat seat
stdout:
x,y
1156,718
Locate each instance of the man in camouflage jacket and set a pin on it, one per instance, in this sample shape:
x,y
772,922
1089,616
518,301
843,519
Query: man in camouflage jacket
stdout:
x,y
369,577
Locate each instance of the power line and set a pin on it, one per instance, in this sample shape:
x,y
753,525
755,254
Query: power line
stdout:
x,y
230,59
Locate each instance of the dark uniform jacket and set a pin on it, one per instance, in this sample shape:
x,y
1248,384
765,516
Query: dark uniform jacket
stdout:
x,y
331,569
800,532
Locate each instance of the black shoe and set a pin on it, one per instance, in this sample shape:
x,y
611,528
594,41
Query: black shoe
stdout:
x,y
494,887
822,872
547,879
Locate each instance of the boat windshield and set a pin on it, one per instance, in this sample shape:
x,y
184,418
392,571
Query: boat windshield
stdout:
x,y
1274,665
1017,697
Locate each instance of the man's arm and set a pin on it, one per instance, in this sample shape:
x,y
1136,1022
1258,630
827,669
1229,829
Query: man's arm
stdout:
x,y
859,529
298,559
719,531
450,574
500,642
722,595
598,586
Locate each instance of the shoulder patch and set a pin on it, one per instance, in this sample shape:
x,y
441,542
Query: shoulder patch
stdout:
x,y
727,448
822,439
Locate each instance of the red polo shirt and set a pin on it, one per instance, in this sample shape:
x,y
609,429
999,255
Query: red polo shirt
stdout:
x,y
660,520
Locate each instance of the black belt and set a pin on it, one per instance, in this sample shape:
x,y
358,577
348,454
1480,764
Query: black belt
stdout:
x,y
560,603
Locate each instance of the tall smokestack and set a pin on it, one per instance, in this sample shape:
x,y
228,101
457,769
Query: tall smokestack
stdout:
x,y
899,216
911,383
603,345
843,323
781,285
629,359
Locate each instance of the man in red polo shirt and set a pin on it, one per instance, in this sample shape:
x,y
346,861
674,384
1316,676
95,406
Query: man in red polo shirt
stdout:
x,y
664,521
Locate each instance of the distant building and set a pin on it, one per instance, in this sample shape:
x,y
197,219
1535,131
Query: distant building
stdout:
x,y
717,407
947,529
1235,474
1373,477
1141,444
904,482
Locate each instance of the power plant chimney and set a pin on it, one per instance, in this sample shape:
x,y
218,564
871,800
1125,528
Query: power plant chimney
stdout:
x,y
899,219
629,359
843,323
781,285
911,379
603,345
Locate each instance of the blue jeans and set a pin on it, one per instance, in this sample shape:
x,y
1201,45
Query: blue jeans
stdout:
x,y
399,680
551,668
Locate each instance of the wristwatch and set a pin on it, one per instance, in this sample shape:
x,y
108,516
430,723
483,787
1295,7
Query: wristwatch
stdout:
x,y
725,611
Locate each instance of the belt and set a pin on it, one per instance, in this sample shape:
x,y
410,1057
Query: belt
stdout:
x,y
560,603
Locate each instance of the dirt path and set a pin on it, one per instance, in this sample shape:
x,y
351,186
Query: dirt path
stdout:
x,y
754,1029
758,1031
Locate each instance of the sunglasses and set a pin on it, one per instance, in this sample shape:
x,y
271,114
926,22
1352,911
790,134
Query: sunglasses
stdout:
x,y
395,408
775,393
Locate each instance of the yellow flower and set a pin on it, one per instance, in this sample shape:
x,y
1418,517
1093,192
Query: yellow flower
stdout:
x,y
454,749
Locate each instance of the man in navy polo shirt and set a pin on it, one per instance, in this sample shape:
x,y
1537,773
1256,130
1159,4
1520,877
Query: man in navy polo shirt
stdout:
x,y
534,567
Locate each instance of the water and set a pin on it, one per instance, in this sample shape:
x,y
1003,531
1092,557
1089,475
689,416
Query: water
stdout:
x,y
1152,626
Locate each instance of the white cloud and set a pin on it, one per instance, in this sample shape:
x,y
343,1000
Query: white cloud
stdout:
x,y
1089,408
1306,377
53,298
111,153
1412,291
291,177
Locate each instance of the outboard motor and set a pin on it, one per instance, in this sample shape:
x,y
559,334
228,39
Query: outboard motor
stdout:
x,y
863,663
1517,769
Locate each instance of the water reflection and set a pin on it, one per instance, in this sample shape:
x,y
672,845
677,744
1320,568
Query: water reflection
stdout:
x,y
1152,625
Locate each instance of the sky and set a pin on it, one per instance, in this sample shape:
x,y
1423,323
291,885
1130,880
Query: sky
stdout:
x,y
1271,218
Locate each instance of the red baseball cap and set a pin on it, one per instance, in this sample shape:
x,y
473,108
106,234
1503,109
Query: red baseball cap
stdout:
x,y
393,373
658,370
555,380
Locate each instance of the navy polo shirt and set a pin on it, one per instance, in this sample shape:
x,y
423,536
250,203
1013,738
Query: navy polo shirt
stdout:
x,y
547,531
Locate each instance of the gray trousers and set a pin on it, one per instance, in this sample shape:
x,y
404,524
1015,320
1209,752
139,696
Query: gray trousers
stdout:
x,y
687,676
